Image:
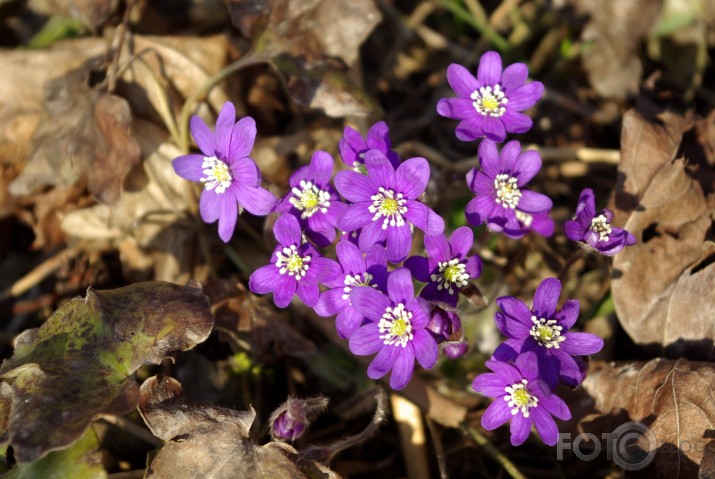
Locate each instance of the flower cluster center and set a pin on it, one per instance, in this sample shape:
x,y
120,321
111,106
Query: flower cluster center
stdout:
x,y
450,273
357,280
310,199
490,101
600,225
519,399
217,176
546,332
396,326
389,205
508,193
290,261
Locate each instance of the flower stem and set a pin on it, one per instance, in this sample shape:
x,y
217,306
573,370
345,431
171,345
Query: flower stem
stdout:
x,y
492,451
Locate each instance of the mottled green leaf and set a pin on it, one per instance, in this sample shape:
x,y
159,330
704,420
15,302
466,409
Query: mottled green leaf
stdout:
x,y
82,460
79,362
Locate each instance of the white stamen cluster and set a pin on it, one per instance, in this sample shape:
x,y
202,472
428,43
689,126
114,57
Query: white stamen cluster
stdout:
x,y
600,225
519,399
508,194
490,101
450,273
396,326
357,280
309,199
217,175
390,205
524,218
291,262
546,332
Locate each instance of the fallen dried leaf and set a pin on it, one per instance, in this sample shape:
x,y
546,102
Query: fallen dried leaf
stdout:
x,y
666,305
209,441
79,362
674,399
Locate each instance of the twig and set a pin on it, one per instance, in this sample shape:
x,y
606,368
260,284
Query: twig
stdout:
x,y
412,437
492,451
119,35
438,448
133,429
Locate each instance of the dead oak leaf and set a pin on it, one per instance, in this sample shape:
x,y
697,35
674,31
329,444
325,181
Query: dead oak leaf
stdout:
x,y
79,362
209,441
84,133
662,287
674,399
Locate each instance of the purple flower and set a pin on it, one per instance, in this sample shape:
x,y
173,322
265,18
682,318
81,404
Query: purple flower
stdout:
x,y
296,267
489,105
385,203
395,331
447,267
540,223
353,147
356,271
596,231
292,418
231,179
520,395
544,330
313,200
446,327
498,188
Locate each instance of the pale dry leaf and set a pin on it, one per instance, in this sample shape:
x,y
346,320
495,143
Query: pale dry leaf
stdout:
x,y
93,13
209,441
662,286
674,399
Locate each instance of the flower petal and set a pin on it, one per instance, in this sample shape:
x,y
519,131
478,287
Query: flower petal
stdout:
x,y
546,297
419,267
490,384
525,96
227,217
347,322
403,368
545,426
489,160
456,108
473,266
257,201
425,348
568,314
366,340
383,362
284,290
399,286
496,414
528,165
287,230
483,184
574,231
489,71
308,292
209,206
264,279
411,177
480,209
533,202
380,170
370,235
462,82
351,145
494,128
353,186
224,125
189,167
461,241
331,302
378,137
586,209
509,156
515,309
355,217
510,327
515,122
513,76
519,428
527,364
424,218
321,168
582,344
369,302
437,248
350,258
568,370
555,406
243,135
245,172
399,243
203,136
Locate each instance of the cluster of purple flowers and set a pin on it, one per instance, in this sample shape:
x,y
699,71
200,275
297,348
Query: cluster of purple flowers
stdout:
x,y
377,203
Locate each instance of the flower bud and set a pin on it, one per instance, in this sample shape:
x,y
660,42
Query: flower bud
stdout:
x,y
292,418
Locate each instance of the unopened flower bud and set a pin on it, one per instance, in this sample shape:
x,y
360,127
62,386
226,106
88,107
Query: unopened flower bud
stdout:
x,y
292,418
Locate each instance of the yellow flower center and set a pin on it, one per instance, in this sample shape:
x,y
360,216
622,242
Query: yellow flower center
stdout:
x,y
217,176
546,332
290,261
450,273
389,205
600,225
395,326
310,199
490,101
507,190
519,399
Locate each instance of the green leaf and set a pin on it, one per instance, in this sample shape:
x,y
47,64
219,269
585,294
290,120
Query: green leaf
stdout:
x,y
82,460
79,363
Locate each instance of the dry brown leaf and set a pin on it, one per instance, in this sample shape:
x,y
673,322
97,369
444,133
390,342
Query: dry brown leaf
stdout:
x,y
209,441
83,133
612,41
674,399
93,13
662,287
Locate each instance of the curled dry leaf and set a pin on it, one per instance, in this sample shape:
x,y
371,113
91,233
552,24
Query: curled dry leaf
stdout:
x,y
209,441
612,40
662,287
674,399
84,132
79,362
304,39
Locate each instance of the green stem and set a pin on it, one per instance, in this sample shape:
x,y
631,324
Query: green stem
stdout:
x,y
492,451
251,58
500,42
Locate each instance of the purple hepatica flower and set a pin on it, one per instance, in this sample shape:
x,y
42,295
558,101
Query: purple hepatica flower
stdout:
x,y
498,186
313,200
296,267
543,329
356,271
596,231
446,327
448,268
385,203
353,147
489,105
231,179
540,223
395,331
520,395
